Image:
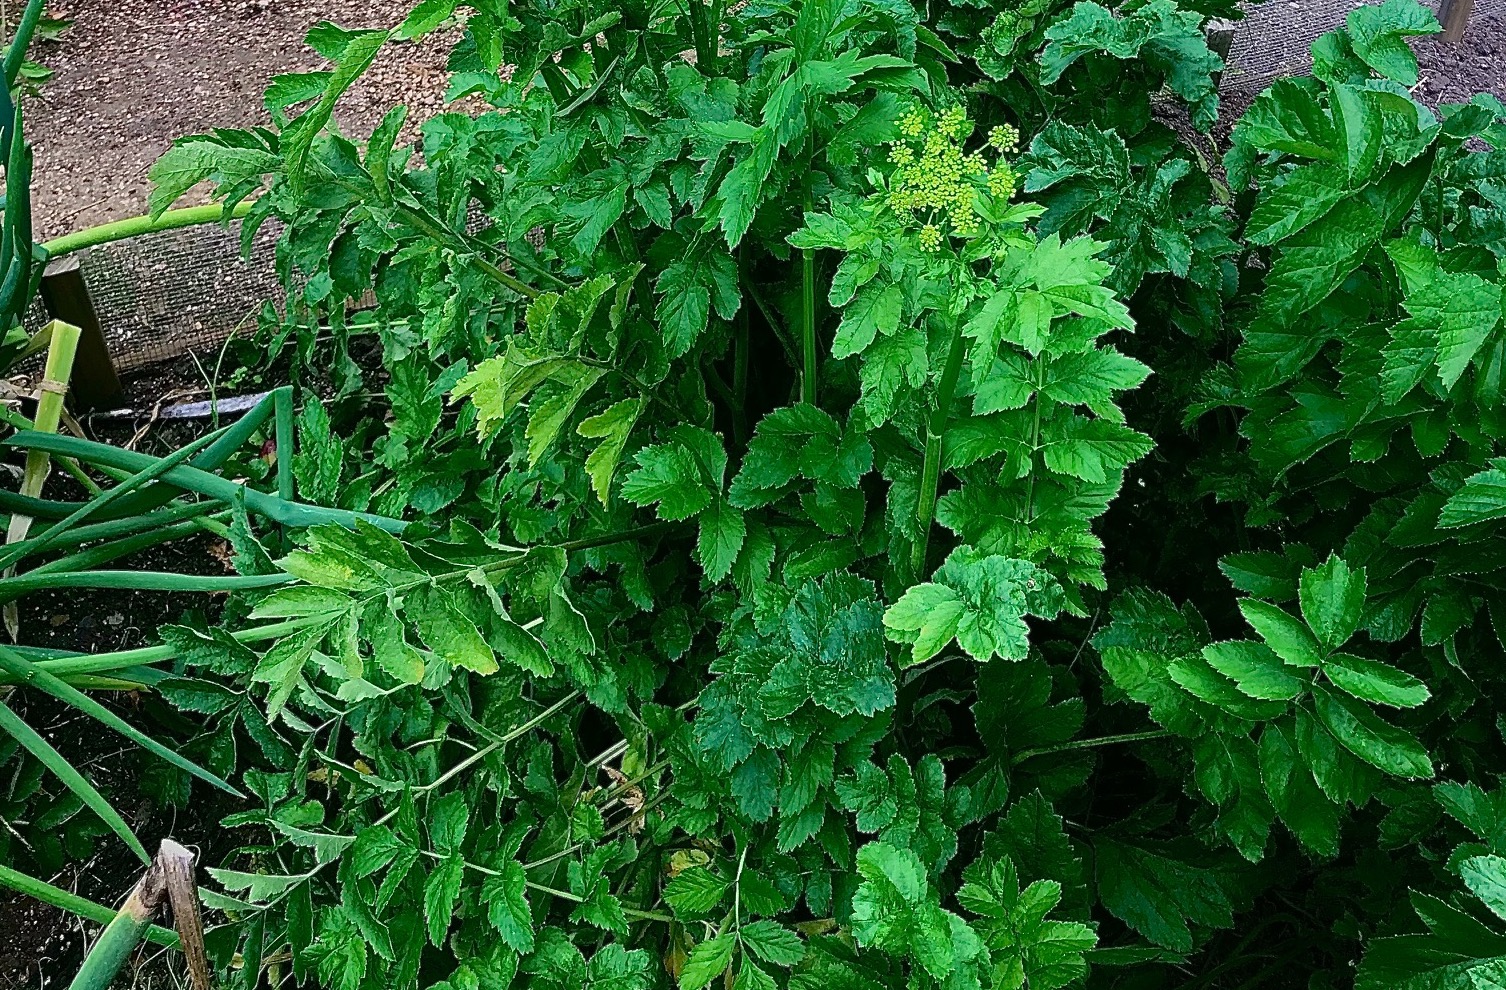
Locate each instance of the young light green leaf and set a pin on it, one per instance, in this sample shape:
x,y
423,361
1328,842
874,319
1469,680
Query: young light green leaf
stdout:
x,y
1333,600
931,612
612,427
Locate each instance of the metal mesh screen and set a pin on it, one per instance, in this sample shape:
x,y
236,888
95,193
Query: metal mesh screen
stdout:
x,y
163,295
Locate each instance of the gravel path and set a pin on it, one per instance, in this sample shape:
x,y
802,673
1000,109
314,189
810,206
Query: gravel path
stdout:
x,y
131,75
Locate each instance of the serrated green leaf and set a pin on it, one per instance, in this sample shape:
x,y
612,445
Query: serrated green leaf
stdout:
x,y
506,898
1371,680
667,476
720,540
772,942
1282,632
874,310
695,889
1371,739
1255,669
1333,600
708,960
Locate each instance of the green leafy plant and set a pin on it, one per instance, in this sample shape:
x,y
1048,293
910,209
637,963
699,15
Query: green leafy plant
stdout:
x,y
866,505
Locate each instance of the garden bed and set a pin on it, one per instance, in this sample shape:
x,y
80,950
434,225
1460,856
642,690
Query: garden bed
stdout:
x,y
912,522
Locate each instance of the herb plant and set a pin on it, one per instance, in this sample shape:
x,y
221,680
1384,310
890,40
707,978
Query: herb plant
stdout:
x,y
882,510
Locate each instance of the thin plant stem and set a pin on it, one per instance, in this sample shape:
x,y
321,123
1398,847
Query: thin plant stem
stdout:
x,y
442,779
1127,737
808,312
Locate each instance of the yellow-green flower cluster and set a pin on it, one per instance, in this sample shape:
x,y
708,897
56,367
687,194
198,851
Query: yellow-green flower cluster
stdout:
x,y
936,182
1002,181
1004,138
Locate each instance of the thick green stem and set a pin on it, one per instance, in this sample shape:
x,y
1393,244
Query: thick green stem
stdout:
x,y
442,234
15,54
120,230
740,379
100,663
135,503
135,481
930,470
97,556
279,510
168,878
1039,376
14,587
46,754
30,674
282,405
61,349
116,528
808,313
55,376
74,904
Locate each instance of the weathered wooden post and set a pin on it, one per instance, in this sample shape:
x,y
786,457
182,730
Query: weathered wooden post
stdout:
x,y
95,385
1454,16
1219,34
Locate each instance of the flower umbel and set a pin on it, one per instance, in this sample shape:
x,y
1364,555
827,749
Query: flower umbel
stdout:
x,y
936,183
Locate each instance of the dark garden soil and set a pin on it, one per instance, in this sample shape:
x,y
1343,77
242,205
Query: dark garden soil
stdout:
x,y
1478,65
41,945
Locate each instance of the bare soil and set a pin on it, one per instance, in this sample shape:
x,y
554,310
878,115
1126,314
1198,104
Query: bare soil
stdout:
x,y
1478,65
133,75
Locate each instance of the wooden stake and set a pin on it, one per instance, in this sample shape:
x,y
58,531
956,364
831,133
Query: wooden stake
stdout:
x,y
61,350
95,383
1454,16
